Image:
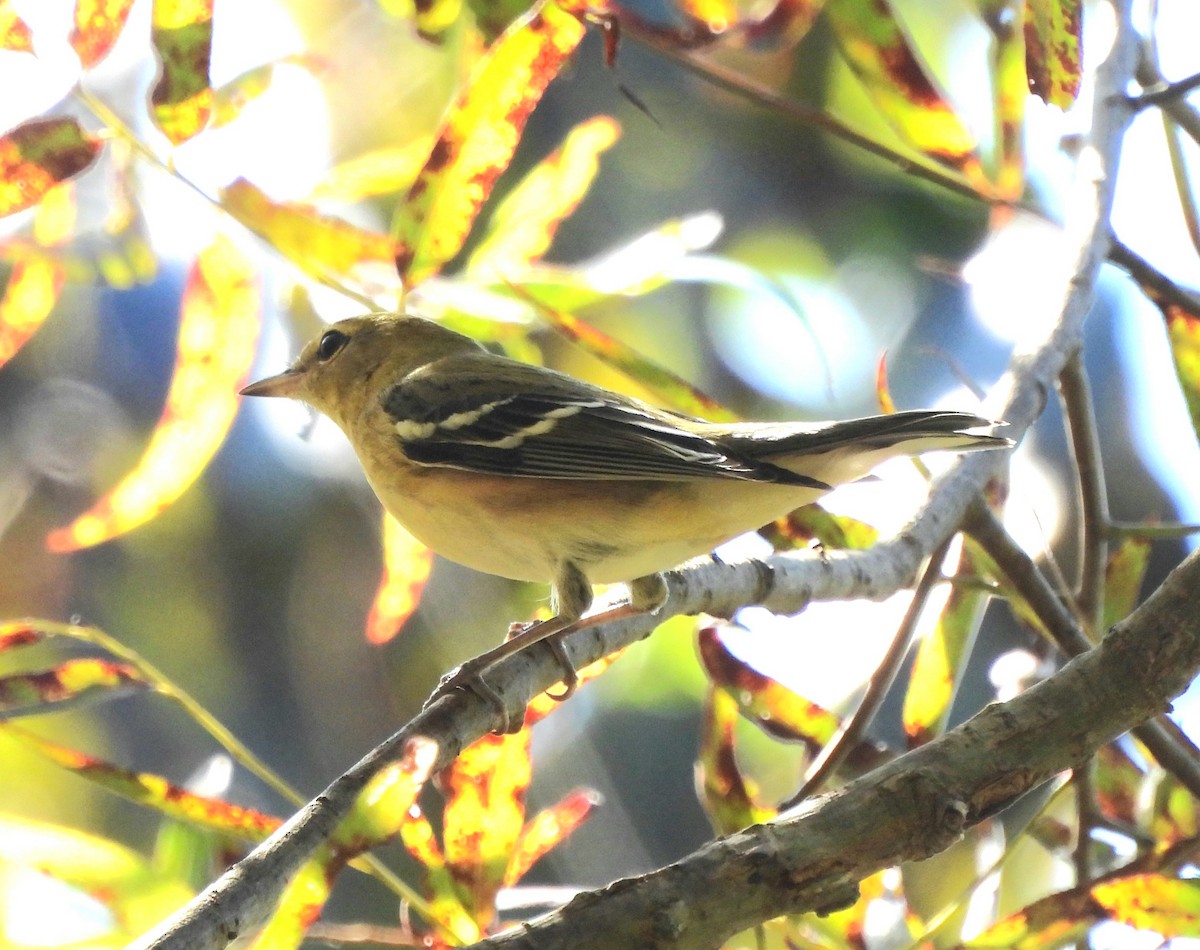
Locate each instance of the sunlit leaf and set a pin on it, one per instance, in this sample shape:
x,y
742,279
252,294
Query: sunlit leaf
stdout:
x,y
154,791
443,895
218,330
478,137
318,244
1152,902
1184,331
493,17
774,708
1053,31
231,98
1123,580
549,828
714,16
669,387
181,101
137,894
1010,91
66,684
406,566
729,797
544,703
485,811
941,657
37,155
813,523
524,224
97,25
14,32
19,633
881,55
299,906
786,23
1048,924
35,283
383,805
1174,816
383,171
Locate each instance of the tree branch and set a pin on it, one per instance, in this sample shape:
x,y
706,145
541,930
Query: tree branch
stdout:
x,y
246,894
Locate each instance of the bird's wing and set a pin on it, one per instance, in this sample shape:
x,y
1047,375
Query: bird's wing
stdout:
x,y
529,421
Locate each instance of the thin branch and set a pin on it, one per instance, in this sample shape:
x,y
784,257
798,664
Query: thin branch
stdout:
x,y
838,749
1157,285
1176,107
243,897
1151,532
1166,742
1080,416
1164,92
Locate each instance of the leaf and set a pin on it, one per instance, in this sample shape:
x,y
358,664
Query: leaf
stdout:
x,y
813,523
1152,902
19,633
881,55
772,707
154,791
417,834
729,797
96,28
1174,816
320,245
299,906
406,566
136,893
524,224
478,137
1183,329
231,98
713,16
1123,580
382,171
37,155
942,655
549,828
14,32
383,804
1118,783
181,101
218,329
661,381
72,681
1053,32
1010,90
35,283
484,817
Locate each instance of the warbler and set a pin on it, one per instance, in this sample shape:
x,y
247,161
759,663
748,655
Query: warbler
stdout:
x,y
531,474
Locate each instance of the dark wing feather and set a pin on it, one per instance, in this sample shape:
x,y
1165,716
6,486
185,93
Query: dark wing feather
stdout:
x,y
452,413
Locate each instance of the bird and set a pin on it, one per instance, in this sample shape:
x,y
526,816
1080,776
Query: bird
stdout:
x,y
527,473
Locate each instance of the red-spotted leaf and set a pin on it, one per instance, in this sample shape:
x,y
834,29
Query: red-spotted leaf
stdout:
x,y
812,523
36,281
300,904
1010,90
1123,580
218,329
72,681
1118,783
406,566
14,32
97,25
441,890
37,155
1053,922
1053,31
729,797
1164,905
524,224
884,59
774,708
382,806
478,138
484,816
19,633
155,792
549,828
181,101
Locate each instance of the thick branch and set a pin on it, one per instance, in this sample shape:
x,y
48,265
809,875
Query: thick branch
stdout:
x,y
244,896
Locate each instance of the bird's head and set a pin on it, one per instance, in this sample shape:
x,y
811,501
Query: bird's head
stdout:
x,y
354,360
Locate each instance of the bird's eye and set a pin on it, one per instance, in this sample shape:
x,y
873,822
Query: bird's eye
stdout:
x,y
331,342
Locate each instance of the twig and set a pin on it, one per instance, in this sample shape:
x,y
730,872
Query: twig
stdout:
x,y
1166,742
1080,417
1157,285
1151,532
1166,91
840,746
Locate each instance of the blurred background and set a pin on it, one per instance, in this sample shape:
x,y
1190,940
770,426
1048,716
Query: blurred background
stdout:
x,y
252,590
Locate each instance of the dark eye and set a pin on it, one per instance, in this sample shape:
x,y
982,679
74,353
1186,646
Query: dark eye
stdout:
x,y
331,342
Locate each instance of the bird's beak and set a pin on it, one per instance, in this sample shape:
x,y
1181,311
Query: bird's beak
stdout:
x,y
286,383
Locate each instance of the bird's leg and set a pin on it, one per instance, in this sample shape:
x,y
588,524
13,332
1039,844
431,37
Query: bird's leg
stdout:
x,y
572,595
